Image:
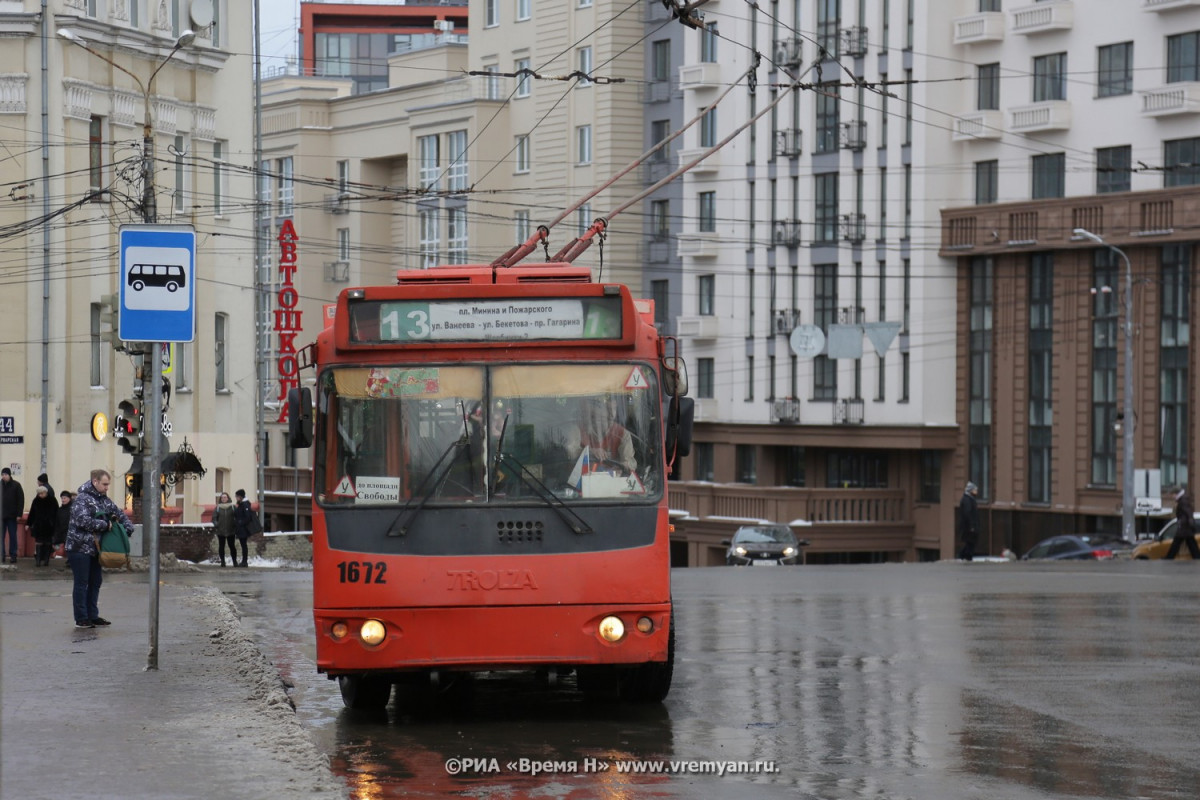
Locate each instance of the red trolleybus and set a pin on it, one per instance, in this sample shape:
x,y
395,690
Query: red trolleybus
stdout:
x,y
490,470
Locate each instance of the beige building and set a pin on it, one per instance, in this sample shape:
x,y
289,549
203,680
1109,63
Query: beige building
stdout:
x,y
71,126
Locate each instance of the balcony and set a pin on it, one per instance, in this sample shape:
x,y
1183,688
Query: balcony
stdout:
x,y
786,410
987,124
1168,5
337,271
854,135
788,142
848,411
788,52
700,327
658,91
1171,100
1049,115
700,76
1043,18
977,28
853,41
854,227
337,203
699,244
786,232
710,164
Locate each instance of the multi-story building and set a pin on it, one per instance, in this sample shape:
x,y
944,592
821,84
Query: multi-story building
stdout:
x,y
1076,151
72,135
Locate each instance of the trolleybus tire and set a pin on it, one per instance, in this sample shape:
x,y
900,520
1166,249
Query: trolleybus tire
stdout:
x,y
365,692
650,682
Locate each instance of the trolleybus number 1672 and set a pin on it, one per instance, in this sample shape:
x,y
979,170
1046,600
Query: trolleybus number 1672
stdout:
x,y
361,571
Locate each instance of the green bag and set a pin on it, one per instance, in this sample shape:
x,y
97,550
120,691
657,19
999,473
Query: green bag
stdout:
x,y
114,547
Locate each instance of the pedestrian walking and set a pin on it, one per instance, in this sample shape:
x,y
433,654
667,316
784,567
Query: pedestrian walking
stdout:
x,y
242,525
92,514
224,525
1185,531
968,522
12,503
62,519
40,521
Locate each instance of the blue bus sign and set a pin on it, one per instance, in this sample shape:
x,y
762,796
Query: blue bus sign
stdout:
x,y
158,283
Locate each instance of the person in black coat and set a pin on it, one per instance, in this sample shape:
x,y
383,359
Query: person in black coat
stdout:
x,y
41,519
13,501
968,522
242,512
62,520
1185,532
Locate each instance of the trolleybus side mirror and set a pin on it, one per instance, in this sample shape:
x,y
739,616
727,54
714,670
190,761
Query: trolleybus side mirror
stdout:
x,y
674,376
680,414
300,425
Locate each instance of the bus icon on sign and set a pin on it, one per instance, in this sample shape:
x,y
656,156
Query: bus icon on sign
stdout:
x,y
169,276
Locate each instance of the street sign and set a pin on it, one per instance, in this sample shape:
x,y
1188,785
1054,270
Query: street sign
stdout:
x,y
158,283
1145,505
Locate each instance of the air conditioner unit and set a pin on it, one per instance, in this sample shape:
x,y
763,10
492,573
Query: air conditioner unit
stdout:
x,y
786,410
848,411
854,227
786,232
854,41
785,321
787,142
788,52
336,203
854,135
851,315
337,271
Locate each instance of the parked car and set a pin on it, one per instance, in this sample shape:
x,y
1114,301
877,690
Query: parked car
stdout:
x,y
1081,546
1160,544
763,544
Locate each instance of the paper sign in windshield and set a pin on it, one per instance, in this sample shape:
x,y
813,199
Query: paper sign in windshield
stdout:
x,y
372,490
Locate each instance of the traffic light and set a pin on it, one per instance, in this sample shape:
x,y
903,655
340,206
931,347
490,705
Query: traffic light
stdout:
x,y
127,426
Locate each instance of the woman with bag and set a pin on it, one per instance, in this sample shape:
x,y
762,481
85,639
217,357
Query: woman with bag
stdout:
x,y
223,524
246,523
43,512
92,514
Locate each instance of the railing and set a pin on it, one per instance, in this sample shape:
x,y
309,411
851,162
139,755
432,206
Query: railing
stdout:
x,y
784,504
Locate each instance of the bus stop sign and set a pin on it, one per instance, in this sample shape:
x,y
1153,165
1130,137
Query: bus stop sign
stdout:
x,y
158,283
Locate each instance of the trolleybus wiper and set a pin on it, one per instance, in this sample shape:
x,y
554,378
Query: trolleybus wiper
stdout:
x,y
572,520
404,519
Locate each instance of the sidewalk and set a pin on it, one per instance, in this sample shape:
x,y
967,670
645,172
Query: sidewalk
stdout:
x,y
82,717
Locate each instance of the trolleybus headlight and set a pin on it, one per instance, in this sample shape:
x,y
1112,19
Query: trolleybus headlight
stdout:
x,y
645,624
372,632
611,629
338,630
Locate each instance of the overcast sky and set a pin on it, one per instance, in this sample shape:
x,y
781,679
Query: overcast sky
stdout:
x,y
280,19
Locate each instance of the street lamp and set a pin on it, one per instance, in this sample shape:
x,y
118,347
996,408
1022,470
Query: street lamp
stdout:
x,y
152,393
1127,499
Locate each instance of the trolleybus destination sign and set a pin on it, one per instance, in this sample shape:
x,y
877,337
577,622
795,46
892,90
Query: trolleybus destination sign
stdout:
x,y
551,318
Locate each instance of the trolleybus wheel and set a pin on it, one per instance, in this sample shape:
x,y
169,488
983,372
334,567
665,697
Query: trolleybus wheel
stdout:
x,y
365,693
649,683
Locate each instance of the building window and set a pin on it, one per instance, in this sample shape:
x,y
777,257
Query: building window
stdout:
x,y
1050,77
214,26
524,81
218,167
287,187
708,212
1114,70
749,378
1183,64
1174,350
706,292
930,489
1181,161
704,460
979,375
265,186
660,293
746,463
456,235
828,103
708,43
660,219
220,349
825,219
522,225
456,151
708,128
986,175
585,66
987,79
583,144
1104,367
428,240
343,245
660,129
704,378
491,82
428,162
524,10
491,13
343,177
908,106
829,21
989,5
1041,372
825,299
856,469
660,60
181,179
1049,176
97,366
1114,169
883,217
181,366
907,201
793,465
521,150
96,153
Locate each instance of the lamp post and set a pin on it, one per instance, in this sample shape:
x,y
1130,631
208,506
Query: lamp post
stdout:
x,y
152,386
1127,499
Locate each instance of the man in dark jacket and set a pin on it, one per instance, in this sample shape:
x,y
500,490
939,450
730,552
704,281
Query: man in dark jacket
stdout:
x,y
1185,531
968,522
12,499
92,513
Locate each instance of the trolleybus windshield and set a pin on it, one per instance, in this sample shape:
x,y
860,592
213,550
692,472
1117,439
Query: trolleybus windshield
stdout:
x,y
453,434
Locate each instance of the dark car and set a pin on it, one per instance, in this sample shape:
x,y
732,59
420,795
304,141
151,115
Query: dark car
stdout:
x,y
763,544
1082,546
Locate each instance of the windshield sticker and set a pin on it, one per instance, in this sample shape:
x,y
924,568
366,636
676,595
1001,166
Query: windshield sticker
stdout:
x,y
345,488
402,382
637,379
378,490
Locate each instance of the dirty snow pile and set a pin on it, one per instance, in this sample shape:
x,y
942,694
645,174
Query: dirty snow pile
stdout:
x,y
272,726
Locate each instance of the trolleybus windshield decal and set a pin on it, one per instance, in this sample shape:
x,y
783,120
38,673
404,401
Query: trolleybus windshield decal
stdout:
x,y
550,318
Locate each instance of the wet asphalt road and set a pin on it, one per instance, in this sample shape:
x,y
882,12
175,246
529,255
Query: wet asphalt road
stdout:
x,y
922,681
